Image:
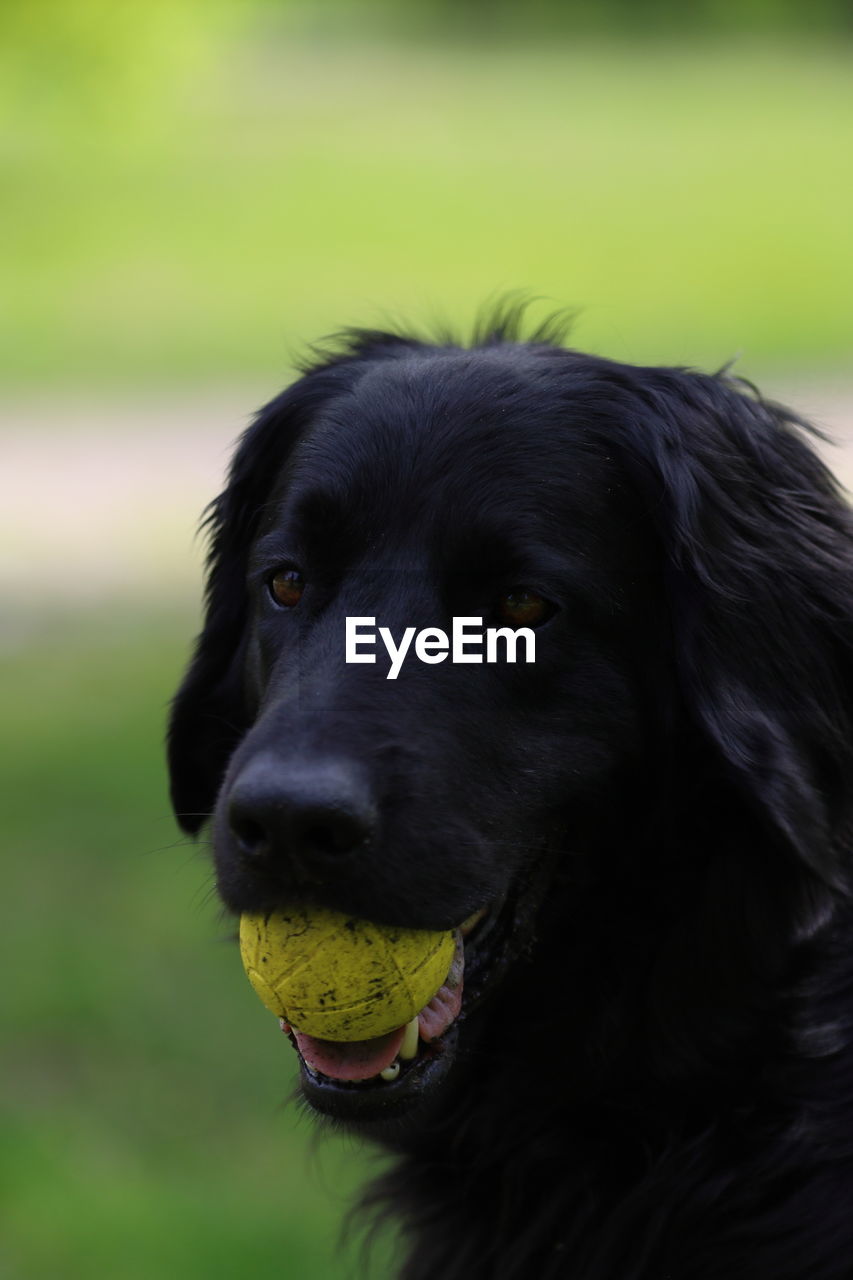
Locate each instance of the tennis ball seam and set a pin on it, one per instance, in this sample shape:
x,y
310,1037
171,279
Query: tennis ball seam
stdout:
x,y
361,959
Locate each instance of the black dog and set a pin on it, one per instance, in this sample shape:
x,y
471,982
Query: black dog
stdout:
x,y
651,1076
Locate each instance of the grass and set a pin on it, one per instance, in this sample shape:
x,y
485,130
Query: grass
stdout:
x,y
258,190
146,1130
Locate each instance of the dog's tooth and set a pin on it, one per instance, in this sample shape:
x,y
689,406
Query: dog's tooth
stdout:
x,y
391,1073
409,1047
467,925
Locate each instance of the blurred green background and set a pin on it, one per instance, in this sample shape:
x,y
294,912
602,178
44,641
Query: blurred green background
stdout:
x,y
193,190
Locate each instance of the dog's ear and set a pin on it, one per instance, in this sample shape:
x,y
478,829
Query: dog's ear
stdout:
x,y
757,544
209,715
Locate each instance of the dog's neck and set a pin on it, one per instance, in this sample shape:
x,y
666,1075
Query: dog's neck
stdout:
x,y
627,1173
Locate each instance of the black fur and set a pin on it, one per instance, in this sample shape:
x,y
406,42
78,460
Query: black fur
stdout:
x,y
654,1079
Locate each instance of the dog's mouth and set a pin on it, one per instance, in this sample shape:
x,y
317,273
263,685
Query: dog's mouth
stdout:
x,y
374,1079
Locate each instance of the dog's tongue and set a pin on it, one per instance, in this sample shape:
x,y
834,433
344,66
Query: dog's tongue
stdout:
x,y
364,1059
357,1060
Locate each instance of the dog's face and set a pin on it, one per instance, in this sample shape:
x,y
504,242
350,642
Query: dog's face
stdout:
x,y
412,489
425,798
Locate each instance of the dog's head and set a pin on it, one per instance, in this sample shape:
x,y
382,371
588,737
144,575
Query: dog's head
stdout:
x,y
680,746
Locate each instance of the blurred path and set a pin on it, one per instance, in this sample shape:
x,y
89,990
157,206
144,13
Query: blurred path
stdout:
x,y
103,500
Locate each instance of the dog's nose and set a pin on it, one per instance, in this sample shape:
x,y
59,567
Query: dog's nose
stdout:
x,y
312,811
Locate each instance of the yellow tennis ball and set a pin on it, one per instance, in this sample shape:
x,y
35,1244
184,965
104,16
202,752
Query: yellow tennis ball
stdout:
x,y
339,978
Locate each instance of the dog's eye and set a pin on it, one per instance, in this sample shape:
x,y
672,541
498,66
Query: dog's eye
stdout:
x,y
286,587
524,608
